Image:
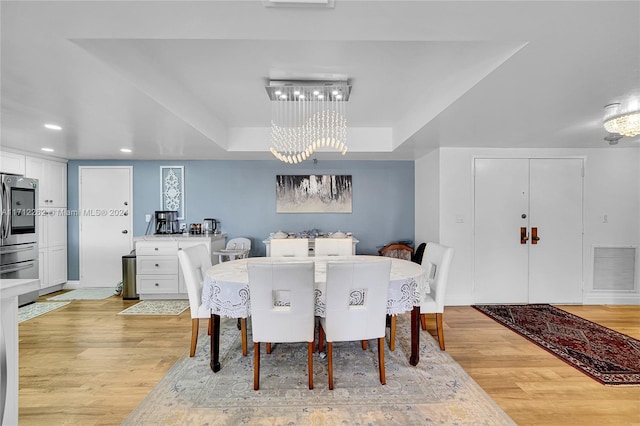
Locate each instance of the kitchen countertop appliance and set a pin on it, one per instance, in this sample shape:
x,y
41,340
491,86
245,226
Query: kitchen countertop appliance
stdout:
x,y
19,231
211,226
167,222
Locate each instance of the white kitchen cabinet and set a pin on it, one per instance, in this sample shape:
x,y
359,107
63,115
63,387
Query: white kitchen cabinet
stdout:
x,y
158,273
43,268
12,163
57,265
52,223
52,227
52,176
52,245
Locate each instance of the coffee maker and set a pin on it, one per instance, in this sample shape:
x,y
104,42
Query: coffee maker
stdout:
x,y
166,222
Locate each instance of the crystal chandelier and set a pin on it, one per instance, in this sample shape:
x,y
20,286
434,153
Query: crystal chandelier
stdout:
x,y
307,116
623,121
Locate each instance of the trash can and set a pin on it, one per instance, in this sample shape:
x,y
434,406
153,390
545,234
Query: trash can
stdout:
x,y
129,290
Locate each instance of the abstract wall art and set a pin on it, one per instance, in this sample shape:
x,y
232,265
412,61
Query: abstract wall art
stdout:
x,y
313,194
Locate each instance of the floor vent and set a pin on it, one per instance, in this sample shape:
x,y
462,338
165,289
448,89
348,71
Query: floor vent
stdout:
x,y
614,268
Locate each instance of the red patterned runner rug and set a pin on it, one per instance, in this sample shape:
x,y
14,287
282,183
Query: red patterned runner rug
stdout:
x,y
609,357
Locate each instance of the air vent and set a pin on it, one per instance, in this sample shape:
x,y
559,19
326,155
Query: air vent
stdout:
x,y
614,268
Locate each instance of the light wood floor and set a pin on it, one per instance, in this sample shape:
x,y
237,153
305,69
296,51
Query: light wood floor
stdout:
x,y
85,365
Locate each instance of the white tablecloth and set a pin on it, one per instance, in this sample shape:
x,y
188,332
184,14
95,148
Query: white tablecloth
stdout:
x,y
226,285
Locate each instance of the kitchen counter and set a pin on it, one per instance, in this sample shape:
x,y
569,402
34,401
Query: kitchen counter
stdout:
x,y
9,291
13,288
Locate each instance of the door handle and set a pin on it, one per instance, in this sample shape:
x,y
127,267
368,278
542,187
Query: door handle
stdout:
x,y
534,236
17,250
9,269
125,232
523,236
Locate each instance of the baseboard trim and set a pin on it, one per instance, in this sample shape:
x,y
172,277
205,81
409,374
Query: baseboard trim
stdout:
x,y
612,299
458,301
49,290
72,285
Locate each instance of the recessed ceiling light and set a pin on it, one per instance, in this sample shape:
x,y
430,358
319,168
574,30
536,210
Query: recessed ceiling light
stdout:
x,y
47,149
125,150
52,126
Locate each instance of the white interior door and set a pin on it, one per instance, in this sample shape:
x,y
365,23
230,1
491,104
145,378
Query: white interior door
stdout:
x,y
106,224
513,199
501,265
555,260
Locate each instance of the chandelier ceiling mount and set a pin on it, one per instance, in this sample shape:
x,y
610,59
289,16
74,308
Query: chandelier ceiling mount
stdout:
x,y
623,120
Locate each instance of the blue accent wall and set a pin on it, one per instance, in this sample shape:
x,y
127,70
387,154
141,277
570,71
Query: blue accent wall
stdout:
x,y
242,195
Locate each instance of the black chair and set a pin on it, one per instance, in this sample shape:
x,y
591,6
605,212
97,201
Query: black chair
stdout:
x,y
417,256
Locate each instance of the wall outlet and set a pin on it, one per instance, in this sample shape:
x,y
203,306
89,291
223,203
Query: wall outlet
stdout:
x,y
147,218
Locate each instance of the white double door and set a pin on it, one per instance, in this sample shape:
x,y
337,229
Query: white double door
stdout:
x,y
528,230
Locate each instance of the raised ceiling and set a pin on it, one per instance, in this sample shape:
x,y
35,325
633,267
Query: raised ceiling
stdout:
x,y
185,79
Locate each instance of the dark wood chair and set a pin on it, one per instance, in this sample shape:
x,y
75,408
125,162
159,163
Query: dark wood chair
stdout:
x,y
397,250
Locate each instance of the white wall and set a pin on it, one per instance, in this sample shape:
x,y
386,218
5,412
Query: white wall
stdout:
x,y
427,197
611,187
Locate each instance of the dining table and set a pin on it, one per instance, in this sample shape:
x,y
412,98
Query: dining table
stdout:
x,y
226,293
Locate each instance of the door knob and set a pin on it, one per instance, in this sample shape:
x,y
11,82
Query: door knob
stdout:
x,y
125,231
534,236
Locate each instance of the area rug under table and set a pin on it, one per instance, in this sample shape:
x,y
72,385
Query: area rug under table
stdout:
x,y
437,391
157,307
609,357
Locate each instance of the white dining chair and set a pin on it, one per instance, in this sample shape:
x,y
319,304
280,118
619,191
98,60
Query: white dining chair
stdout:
x,y
289,247
333,247
356,306
437,262
194,262
282,307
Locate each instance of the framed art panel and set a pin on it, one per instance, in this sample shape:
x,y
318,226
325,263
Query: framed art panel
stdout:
x,y
313,194
172,189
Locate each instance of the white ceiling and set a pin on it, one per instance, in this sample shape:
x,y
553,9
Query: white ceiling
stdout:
x,y
185,79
